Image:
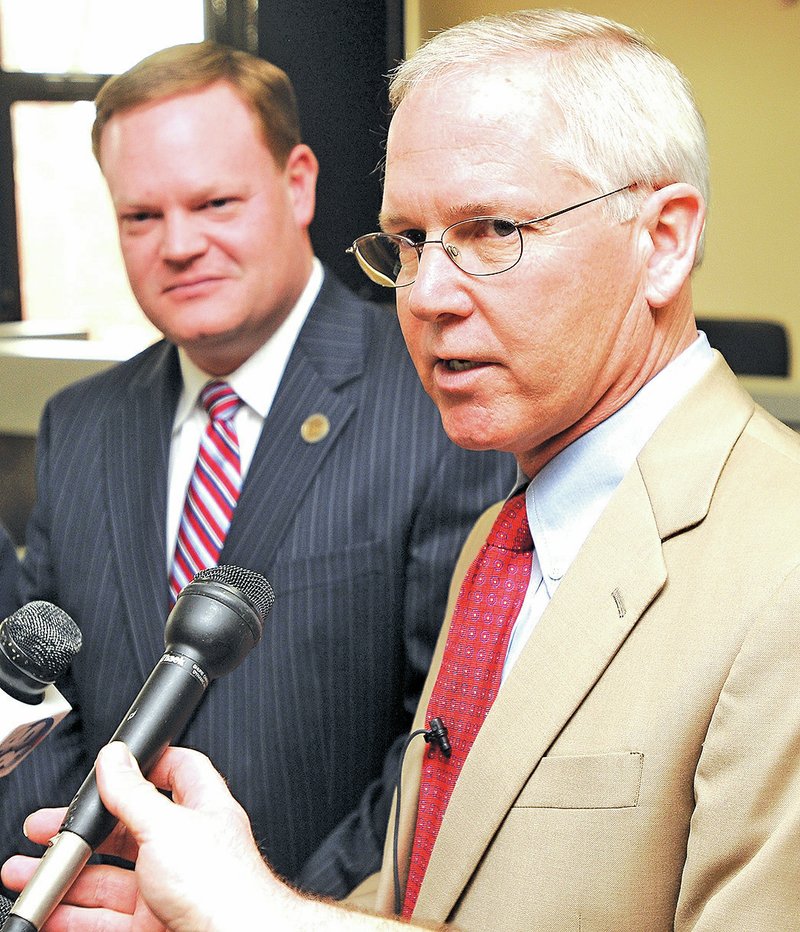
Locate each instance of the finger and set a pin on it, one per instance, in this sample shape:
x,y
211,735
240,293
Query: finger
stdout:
x,y
120,843
96,885
188,775
70,918
17,870
40,826
191,778
124,791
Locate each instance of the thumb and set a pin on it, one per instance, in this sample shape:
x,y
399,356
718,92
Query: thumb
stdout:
x,y
124,791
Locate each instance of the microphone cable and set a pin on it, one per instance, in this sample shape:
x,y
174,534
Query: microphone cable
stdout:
x,y
436,733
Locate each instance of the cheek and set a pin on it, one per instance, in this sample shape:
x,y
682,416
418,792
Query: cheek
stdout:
x,y
139,257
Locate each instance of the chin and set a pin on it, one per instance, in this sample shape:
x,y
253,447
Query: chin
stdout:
x,y
471,435
205,333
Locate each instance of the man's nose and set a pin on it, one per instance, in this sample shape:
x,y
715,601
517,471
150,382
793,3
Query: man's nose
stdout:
x,y
183,238
439,287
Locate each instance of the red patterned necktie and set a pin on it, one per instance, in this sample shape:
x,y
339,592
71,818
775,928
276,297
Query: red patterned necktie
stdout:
x,y
213,489
472,664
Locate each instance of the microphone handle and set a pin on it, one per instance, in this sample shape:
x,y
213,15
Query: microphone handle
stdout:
x,y
158,715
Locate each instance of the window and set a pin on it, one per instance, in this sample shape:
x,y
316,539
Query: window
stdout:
x,y
60,264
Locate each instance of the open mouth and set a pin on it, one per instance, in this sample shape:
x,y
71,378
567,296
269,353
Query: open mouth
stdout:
x,y
460,365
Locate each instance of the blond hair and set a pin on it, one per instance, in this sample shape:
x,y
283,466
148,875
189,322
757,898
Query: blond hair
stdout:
x,y
264,87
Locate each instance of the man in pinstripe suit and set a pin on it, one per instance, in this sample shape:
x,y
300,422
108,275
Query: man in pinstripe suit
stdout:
x,y
354,503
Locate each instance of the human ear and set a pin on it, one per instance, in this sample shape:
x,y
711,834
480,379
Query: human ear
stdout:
x,y
673,218
301,174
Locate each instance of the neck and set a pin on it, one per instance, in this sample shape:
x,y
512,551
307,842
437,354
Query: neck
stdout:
x,y
674,330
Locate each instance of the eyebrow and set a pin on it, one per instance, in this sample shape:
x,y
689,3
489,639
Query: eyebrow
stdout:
x,y
464,211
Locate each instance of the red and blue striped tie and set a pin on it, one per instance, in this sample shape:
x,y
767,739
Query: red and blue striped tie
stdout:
x,y
213,489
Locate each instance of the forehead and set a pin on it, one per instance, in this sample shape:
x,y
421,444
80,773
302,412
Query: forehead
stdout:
x,y
183,148
208,124
477,137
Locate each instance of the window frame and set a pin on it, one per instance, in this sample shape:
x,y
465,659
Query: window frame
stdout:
x,y
232,22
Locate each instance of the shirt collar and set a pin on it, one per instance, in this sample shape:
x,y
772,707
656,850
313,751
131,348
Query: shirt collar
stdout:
x,y
256,380
567,497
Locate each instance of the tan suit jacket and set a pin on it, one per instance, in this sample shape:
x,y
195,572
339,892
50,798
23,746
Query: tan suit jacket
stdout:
x,y
640,768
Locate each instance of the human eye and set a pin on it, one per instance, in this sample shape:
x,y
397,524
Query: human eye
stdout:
x,y
416,236
502,228
484,230
218,205
137,219
489,228
483,245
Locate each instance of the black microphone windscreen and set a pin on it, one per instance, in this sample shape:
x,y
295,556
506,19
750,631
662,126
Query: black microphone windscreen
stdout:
x,y
250,584
41,640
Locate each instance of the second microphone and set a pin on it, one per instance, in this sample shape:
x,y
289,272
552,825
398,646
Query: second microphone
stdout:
x,y
217,619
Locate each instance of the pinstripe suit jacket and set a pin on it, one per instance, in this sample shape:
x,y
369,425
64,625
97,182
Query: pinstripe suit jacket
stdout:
x,y
639,770
9,568
357,533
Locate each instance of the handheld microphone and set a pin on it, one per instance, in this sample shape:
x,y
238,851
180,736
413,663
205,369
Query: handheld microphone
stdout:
x,y
37,644
217,619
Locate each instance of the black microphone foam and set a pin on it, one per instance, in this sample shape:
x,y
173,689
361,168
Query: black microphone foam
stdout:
x,y
217,619
37,644
248,583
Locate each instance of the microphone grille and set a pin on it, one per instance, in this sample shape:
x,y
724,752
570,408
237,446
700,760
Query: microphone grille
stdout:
x,y
252,585
44,638
5,909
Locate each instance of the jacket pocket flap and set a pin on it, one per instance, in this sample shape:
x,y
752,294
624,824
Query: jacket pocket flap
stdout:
x,y
593,781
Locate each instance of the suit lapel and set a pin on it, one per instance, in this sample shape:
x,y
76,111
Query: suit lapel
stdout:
x,y
617,574
136,447
284,465
329,354
593,611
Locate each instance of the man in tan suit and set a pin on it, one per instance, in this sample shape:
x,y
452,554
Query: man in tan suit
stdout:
x,y
640,766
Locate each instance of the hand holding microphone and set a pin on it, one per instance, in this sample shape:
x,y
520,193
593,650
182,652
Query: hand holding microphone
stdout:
x,y
37,644
217,619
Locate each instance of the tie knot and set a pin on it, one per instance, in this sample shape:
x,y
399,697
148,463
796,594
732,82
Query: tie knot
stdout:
x,y
220,400
510,529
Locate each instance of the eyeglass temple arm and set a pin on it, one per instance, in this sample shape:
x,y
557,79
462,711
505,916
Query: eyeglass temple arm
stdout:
x,y
566,210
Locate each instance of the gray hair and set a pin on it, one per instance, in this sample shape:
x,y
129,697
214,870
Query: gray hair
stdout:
x,y
629,113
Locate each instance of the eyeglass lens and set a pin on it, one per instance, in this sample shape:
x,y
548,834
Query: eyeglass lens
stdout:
x,y
482,246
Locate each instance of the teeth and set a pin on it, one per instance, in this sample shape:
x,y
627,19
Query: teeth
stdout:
x,y
459,365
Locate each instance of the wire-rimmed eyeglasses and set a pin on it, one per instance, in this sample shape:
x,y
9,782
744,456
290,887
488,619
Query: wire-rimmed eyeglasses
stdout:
x,y
478,246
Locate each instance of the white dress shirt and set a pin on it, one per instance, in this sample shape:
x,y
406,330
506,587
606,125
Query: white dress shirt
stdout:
x,y
567,497
255,382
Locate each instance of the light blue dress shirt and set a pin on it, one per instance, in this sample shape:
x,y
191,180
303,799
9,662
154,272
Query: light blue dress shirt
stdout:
x,y
567,497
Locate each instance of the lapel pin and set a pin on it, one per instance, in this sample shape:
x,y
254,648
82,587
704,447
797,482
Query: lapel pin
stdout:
x,y
315,427
618,601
